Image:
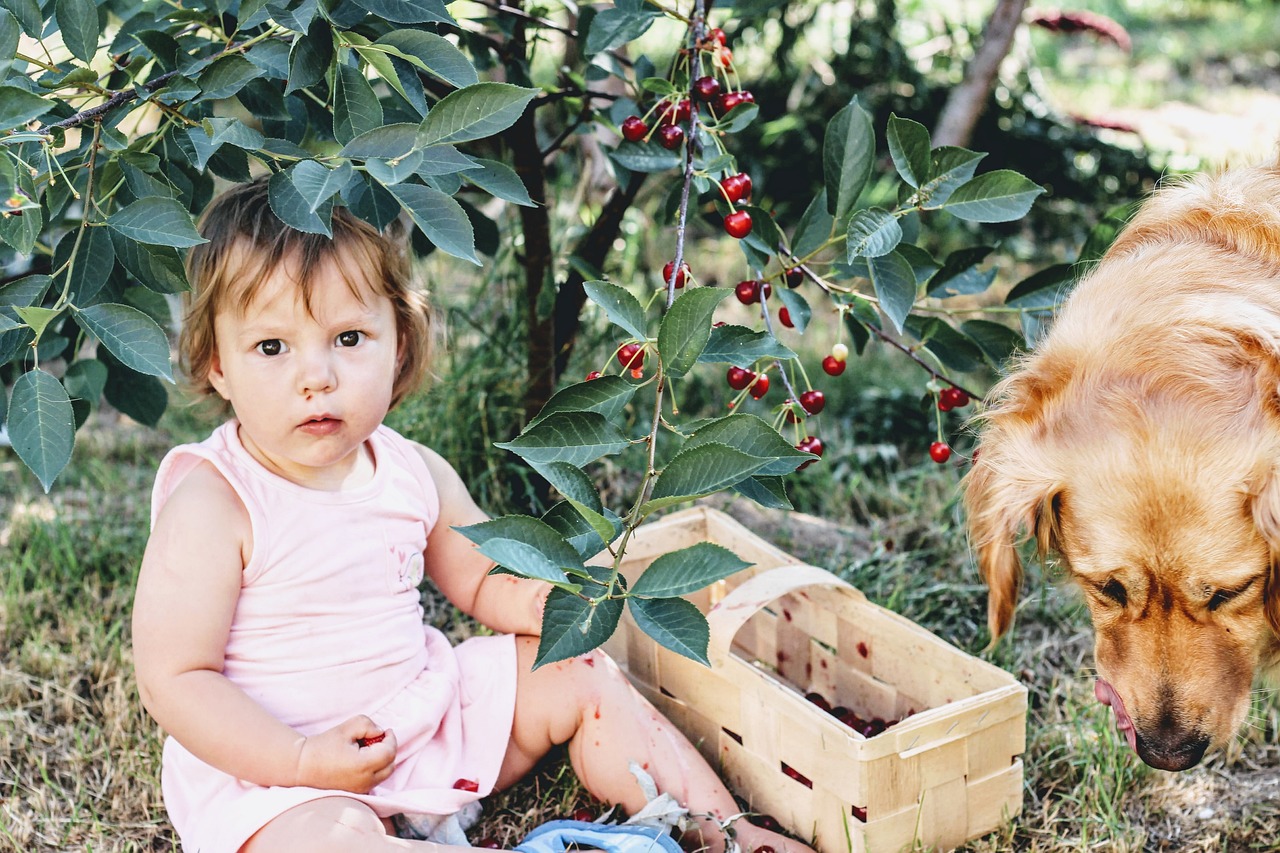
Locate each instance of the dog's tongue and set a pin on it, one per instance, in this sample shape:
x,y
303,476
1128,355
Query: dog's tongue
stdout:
x,y
1107,696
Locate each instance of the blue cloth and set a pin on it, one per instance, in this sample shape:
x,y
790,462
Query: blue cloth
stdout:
x,y
554,836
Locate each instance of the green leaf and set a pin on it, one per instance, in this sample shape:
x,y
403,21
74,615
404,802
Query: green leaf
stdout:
x,y
872,232
580,492
960,275
575,529
1102,235
645,157
952,167
949,346
226,76
18,106
78,22
686,328
797,308
687,570
156,221
754,437
409,11
355,105
674,623
610,28
137,395
28,14
432,53
500,181
293,207
28,290
1046,288
310,56
85,380
476,112
999,196
37,318
573,437
131,336
605,395
234,132
91,265
157,268
41,424
386,143
698,471
620,305
10,32
317,184
909,148
814,229
527,546
769,492
996,340
895,286
731,344
572,626
441,219
847,153
444,160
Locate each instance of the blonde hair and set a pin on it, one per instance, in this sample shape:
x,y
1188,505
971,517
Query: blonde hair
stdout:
x,y
248,242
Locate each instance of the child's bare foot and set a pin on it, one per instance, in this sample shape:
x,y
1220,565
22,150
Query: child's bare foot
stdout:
x,y
757,839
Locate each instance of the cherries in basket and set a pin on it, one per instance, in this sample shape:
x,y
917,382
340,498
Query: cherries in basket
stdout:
x,y
866,728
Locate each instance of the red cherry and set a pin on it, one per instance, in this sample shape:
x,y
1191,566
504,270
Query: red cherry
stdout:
x,y
747,97
813,401
747,291
469,785
761,386
631,355
716,35
489,843
737,187
833,366
739,378
634,128
795,277
943,405
789,412
812,444
728,100
670,136
860,812
815,697
681,277
764,848
725,56
584,815
738,224
370,741
784,317
953,397
706,88
595,374
939,452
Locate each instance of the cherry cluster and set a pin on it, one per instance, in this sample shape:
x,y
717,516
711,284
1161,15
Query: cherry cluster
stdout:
x,y
866,728
949,398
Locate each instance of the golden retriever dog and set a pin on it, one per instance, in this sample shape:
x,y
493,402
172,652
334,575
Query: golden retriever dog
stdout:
x,y
1140,443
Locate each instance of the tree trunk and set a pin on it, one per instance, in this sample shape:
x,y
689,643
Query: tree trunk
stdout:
x,y
967,101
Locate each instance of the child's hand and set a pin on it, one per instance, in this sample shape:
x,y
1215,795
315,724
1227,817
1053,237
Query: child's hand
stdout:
x,y
353,756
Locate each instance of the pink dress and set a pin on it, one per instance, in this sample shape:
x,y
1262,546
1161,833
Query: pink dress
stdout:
x,y
329,625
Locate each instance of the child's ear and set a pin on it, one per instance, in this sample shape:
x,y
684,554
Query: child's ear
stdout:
x,y
217,378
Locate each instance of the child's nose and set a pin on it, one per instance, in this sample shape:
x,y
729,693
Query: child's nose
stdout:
x,y
317,375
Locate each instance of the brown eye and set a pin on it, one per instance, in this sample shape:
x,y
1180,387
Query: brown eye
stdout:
x,y
271,347
350,339
1115,591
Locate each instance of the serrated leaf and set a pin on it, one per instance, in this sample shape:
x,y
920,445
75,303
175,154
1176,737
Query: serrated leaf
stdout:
x,y
78,22
645,157
443,160
10,33
698,471
293,208
28,14
355,105
233,132
848,150
625,22
687,570
28,290
605,395
85,379
909,148
997,341
385,143
226,76
622,308
797,308
476,112
528,546
409,11
769,492
575,529
686,328
948,345
131,336
41,424
18,106
91,261
317,184
754,437
157,221
157,268
732,344
572,626
674,623
872,233
432,53
999,196
500,181
441,219
895,286
814,229
951,168
573,437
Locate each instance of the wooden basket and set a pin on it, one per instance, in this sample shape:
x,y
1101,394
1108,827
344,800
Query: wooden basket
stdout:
x,y
947,772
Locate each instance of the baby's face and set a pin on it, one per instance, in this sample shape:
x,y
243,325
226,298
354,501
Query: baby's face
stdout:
x,y
308,387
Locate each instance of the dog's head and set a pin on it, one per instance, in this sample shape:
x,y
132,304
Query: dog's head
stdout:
x,y
1141,445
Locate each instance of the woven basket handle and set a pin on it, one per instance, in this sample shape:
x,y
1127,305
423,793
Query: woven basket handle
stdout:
x,y
733,611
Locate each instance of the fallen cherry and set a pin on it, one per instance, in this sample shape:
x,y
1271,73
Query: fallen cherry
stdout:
x,y
860,813
634,128
584,815
489,843
939,452
764,848
833,366
468,785
816,698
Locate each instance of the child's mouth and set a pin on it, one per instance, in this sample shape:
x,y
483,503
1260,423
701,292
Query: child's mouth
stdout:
x,y
322,425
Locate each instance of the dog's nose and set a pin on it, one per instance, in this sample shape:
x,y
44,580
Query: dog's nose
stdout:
x,y
1172,750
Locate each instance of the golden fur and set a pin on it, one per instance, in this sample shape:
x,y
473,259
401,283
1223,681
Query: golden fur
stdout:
x,y
1140,441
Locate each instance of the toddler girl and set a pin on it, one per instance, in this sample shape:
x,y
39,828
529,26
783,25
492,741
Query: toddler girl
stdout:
x,y
278,636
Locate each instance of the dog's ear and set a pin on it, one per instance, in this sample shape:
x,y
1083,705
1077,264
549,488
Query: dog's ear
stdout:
x,y
1266,517
1007,499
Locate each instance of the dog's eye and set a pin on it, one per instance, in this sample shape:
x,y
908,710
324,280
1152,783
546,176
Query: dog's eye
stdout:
x,y
1220,598
1115,591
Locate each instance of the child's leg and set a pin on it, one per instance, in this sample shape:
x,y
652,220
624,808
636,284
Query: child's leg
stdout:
x,y
588,702
331,825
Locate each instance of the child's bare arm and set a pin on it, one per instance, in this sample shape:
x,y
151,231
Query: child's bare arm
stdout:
x,y
187,593
502,602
